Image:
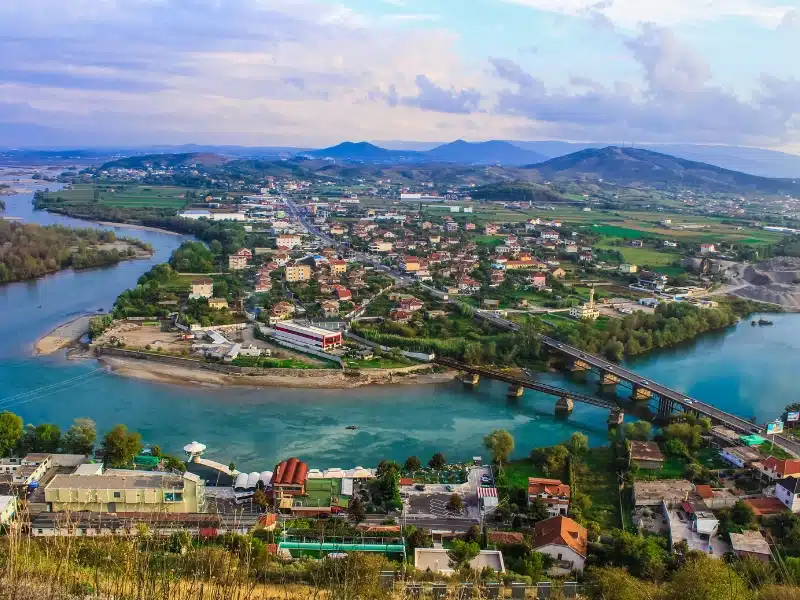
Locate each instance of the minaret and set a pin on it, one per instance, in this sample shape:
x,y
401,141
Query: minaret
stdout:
x,y
591,297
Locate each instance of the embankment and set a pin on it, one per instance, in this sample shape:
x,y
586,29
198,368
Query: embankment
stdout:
x,y
64,335
188,371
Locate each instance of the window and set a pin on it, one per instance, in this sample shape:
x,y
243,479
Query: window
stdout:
x,y
117,495
41,531
173,497
559,556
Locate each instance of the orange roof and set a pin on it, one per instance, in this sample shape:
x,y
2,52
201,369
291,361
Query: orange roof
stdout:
x,y
288,472
704,491
784,468
505,537
552,487
268,519
765,506
561,531
406,481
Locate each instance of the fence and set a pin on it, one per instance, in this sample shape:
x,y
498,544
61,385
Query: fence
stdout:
x,y
489,590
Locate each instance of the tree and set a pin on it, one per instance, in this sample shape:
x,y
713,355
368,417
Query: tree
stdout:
x,y
552,460
81,436
41,438
155,450
418,538
232,467
614,583
473,534
639,431
593,530
501,444
437,461
356,510
455,504
120,446
537,510
706,578
742,514
675,447
172,463
462,553
10,431
412,464
260,499
578,444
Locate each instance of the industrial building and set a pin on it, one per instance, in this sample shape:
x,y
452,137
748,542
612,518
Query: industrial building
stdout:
x,y
312,337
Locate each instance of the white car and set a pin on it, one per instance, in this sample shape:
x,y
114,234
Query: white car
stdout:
x,y
688,401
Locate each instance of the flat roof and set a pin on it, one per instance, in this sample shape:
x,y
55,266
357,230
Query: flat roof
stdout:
x,y
750,541
646,451
111,481
437,560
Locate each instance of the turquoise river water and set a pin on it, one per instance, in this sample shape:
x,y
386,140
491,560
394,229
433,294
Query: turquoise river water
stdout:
x,y
748,370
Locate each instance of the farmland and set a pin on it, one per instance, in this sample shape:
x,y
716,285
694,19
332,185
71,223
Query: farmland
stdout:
x,y
122,196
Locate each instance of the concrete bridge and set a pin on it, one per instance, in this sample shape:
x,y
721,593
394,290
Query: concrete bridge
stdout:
x,y
516,383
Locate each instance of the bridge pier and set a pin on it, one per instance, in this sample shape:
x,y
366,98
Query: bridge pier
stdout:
x,y
641,393
616,417
609,378
579,365
471,379
564,405
665,407
515,391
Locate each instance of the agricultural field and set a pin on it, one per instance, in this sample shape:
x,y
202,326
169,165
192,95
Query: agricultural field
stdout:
x,y
123,196
642,256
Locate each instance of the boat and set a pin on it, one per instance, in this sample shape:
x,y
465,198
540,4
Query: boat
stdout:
x,y
351,427
764,322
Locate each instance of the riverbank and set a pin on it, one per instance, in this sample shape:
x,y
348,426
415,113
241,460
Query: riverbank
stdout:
x,y
64,335
298,378
132,226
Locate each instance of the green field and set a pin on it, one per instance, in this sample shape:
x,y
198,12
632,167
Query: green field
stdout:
x,y
597,479
620,232
517,472
673,468
127,196
642,256
378,363
489,240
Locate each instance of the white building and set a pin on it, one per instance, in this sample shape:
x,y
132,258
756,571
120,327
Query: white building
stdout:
x,y
788,491
8,508
312,337
562,539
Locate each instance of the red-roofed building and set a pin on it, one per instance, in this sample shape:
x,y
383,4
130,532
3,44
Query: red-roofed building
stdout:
x,y
563,539
399,315
289,478
342,293
551,492
773,469
766,507
704,491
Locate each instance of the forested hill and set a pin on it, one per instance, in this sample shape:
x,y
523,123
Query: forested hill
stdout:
x,y
186,159
644,168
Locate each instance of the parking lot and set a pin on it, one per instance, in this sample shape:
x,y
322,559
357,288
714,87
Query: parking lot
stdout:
x,y
431,503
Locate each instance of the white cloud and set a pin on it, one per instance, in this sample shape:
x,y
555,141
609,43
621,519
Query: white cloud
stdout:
x,y
628,13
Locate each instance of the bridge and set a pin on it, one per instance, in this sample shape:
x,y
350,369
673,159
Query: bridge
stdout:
x,y
566,398
667,399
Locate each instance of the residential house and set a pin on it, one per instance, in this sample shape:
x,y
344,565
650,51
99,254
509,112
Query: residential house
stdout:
x,y
342,293
470,227
289,480
773,469
637,243
751,543
467,285
240,260
330,308
410,264
263,284
411,304
551,492
668,491
788,492
646,455
297,272
740,456
437,560
338,267
287,241
399,315
490,229
707,248
282,310
562,539
627,269
217,303
550,236
281,258
8,508
537,280
558,272
380,246
202,288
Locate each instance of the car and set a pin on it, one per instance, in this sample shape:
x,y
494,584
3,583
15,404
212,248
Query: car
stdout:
x,y
645,382
485,479
449,488
420,487
688,401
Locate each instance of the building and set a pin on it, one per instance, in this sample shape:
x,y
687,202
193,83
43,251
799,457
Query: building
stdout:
x,y
587,310
297,272
627,269
380,246
8,508
330,308
551,492
707,248
563,539
312,337
491,229
202,288
740,456
287,241
788,492
750,543
240,260
323,496
773,469
410,264
697,528
217,303
437,560
667,491
289,479
27,469
338,267
550,236
121,490
646,455
722,436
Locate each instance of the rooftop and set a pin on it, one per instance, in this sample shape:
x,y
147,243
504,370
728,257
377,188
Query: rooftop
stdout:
x,y
646,451
669,490
750,541
437,560
561,531
113,481
765,506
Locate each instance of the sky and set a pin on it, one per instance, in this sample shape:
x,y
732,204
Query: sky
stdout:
x,y
312,73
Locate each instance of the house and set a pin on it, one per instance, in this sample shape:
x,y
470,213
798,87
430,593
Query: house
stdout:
x,y
338,267
627,269
263,284
410,264
490,229
740,456
217,303
338,230
563,539
342,293
646,455
788,492
697,528
773,469
289,480
297,272
707,248
551,492
550,236
751,543
538,280
240,260
287,241
669,244
399,315
202,288
637,243
558,272
330,308
323,496
411,304
722,436
668,491
8,508
380,246
470,227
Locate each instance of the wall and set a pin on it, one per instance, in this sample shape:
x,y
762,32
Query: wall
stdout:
x,y
412,355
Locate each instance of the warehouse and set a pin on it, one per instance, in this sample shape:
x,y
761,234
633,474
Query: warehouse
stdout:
x,y
313,337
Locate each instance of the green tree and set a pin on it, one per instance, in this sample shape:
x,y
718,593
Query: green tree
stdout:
x,y
676,447
155,450
593,530
41,438
639,431
537,510
455,504
742,514
437,461
172,463
356,510
501,444
11,429
80,437
462,553
706,578
260,499
578,444
412,464
615,583
417,538
121,446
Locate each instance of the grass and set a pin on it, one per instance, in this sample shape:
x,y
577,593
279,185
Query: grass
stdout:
x,y
517,472
130,196
379,363
710,458
770,449
619,232
489,240
673,468
642,256
596,478
272,363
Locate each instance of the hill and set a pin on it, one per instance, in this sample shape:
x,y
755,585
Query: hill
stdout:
x,y
361,151
643,168
484,153
184,159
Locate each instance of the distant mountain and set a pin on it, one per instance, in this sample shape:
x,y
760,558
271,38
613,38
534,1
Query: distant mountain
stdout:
x,y
643,168
362,151
755,161
183,159
491,152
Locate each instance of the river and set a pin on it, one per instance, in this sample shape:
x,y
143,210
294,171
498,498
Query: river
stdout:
x,y
748,370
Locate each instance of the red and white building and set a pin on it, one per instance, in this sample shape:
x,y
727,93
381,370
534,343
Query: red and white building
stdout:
x,y
312,337
554,494
288,240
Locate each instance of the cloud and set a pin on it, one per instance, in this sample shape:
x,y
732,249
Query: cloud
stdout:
x,y
438,99
629,13
791,20
678,101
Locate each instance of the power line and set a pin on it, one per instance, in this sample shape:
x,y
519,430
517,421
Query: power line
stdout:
x,y
47,387
55,391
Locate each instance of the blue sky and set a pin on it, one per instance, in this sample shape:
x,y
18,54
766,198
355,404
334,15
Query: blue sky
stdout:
x,y
316,72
